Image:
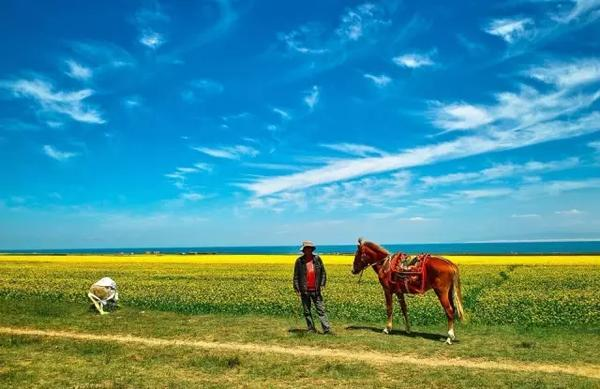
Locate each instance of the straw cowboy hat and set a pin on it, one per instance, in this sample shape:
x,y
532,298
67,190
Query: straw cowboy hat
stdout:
x,y
307,243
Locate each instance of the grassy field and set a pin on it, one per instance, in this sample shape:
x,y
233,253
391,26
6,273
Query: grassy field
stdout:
x,y
524,310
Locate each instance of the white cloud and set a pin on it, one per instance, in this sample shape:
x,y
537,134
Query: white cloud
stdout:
x,y
380,81
569,212
78,71
152,39
368,191
192,196
461,116
525,216
207,86
354,149
271,166
527,106
476,194
283,113
418,219
501,171
580,9
132,101
413,60
359,21
311,97
179,176
103,56
304,40
510,30
356,23
493,140
54,153
228,152
201,87
71,104
569,74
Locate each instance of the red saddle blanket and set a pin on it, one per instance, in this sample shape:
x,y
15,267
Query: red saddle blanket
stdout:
x,y
409,274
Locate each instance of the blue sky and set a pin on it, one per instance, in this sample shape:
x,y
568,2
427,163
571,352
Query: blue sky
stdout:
x,y
266,122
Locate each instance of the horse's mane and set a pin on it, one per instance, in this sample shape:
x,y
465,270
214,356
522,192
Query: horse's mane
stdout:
x,y
376,247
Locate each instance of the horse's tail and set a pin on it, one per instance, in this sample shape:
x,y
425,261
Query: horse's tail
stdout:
x,y
457,295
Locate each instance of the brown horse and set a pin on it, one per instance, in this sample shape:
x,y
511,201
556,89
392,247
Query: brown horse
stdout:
x,y
439,274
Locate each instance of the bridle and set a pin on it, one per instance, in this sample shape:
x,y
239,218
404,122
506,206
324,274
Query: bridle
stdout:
x,y
368,265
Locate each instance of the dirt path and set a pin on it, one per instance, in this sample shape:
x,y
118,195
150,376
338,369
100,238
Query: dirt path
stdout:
x,y
588,371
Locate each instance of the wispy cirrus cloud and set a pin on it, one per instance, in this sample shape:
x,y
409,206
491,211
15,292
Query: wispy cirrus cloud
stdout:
x,y
460,116
49,100
528,105
501,171
525,216
380,81
200,88
228,152
413,60
355,24
102,56
149,21
491,140
282,113
180,175
192,196
152,39
581,9
354,149
311,97
376,192
58,155
567,74
510,29
569,212
361,20
304,40
78,71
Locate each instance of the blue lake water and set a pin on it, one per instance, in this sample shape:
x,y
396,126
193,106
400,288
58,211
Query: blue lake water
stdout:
x,y
566,247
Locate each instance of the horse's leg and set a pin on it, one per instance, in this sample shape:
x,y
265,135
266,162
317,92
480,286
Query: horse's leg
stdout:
x,y
404,308
442,294
389,306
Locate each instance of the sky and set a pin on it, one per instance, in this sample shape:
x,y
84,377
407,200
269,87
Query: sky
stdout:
x,y
227,123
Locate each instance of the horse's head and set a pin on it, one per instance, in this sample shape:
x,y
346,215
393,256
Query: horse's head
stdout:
x,y
360,260
367,253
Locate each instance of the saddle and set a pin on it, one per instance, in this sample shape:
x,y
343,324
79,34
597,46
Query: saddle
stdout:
x,y
409,273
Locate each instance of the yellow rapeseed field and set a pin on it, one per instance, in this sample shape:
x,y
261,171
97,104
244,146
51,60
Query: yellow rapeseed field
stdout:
x,y
522,290
548,260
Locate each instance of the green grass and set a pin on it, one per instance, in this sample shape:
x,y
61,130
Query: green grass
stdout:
x,y
40,362
520,313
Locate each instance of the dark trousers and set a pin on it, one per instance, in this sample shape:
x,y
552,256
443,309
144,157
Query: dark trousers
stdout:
x,y
314,297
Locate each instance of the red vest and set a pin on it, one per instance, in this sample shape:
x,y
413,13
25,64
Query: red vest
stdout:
x,y
311,282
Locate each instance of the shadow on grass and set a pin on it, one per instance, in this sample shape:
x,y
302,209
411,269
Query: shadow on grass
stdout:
x,y
424,335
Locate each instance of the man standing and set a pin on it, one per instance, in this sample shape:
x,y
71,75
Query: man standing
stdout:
x,y
309,279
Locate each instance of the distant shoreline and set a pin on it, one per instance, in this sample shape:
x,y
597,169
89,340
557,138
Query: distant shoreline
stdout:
x,y
36,254
560,247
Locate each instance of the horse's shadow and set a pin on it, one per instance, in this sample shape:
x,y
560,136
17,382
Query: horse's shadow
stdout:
x,y
412,334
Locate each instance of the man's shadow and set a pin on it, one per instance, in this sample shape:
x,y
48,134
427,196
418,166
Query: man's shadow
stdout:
x,y
412,334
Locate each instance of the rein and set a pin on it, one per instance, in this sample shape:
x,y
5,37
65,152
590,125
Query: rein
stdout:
x,y
371,265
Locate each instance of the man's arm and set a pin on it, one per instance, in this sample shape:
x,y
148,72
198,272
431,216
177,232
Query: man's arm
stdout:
x,y
295,279
324,274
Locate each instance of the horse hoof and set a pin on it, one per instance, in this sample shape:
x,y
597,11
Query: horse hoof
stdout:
x,y
386,331
448,341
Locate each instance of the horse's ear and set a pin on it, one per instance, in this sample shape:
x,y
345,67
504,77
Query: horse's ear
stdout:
x,y
361,240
